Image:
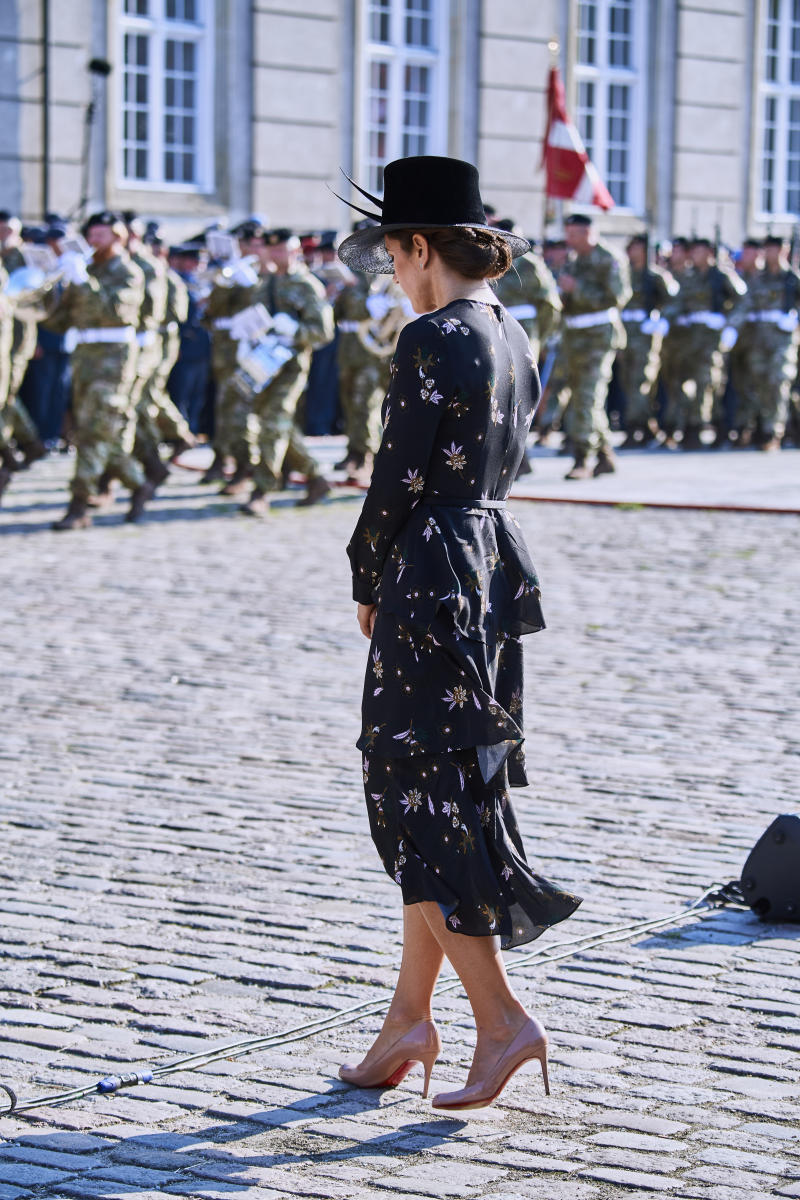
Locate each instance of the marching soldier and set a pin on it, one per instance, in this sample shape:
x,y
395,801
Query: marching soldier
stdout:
x,y
295,301
234,426
157,418
100,306
23,347
709,304
638,362
7,460
529,293
773,300
673,357
363,376
748,267
594,286
170,418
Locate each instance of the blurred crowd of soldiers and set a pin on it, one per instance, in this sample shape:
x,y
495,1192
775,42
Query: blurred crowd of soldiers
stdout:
x,y
128,349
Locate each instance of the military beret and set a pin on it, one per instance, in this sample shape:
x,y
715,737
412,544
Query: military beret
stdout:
x,y
773,239
5,215
33,234
680,243
187,249
277,237
247,230
364,223
703,241
754,243
506,223
577,219
106,217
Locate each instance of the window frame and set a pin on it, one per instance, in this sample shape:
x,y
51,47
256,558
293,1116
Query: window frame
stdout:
x,y
398,56
160,29
783,92
604,75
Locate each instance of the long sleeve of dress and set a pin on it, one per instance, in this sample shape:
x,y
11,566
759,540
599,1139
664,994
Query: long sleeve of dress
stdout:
x,y
419,392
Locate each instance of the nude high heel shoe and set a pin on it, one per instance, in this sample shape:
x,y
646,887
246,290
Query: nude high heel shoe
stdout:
x,y
529,1043
420,1044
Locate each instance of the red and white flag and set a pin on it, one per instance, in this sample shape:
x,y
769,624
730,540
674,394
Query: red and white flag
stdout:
x,y
569,172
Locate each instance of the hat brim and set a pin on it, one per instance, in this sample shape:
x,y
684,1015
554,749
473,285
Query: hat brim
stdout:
x,y
364,250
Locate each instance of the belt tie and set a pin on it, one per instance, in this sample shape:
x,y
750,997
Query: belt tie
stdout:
x,y
460,501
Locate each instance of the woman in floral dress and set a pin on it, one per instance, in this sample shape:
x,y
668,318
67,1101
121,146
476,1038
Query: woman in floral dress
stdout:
x,y
445,588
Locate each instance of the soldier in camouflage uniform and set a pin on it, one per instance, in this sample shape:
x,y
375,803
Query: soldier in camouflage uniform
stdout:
x,y
710,306
170,420
529,292
23,347
289,290
638,362
100,307
157,417
235,429
594,287
748,266
773,300
6,423
363,375
673,346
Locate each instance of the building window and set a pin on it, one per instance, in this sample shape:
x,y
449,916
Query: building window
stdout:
x,y
610,52
780,110
404,85
167,84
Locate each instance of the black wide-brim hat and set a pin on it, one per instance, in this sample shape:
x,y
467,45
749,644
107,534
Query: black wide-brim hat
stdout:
x,y
425,192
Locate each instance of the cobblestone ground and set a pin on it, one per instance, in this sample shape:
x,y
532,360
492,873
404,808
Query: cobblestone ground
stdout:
x,y
185,861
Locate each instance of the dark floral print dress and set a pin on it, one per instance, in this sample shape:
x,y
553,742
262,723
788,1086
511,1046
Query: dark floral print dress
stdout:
x,y
444,560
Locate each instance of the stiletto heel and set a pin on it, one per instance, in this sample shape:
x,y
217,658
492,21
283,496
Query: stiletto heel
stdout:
x,y
543,1061
529,1043
428,1064
420,1044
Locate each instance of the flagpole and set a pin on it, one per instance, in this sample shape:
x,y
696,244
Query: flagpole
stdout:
x,y
554,48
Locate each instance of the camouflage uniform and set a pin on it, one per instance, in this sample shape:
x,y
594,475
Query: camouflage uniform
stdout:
x,y
363,375
766,375
6,336
171,423
156,415
235,428
280,444
638,362
103,372
529,292
592,334
739,363
707,301
23,348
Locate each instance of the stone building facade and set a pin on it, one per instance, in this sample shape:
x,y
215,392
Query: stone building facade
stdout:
x,y
214,109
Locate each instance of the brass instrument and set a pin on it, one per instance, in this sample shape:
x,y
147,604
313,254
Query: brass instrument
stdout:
x,y
379,334
30,288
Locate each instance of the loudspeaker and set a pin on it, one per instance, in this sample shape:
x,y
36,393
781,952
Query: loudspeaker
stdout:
x,y
770,880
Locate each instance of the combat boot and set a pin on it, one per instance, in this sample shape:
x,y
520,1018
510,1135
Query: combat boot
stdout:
x,y
606,463
579,469
239,481
33,452
139,498
351,462
256,506
155,470
9,459
103,497
5,479
216,471
691,439
77,516
317,489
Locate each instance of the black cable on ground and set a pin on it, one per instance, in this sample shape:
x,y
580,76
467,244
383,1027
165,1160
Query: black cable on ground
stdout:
x,y
717,896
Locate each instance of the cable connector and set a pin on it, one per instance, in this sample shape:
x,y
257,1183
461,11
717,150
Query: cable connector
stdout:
x,y
113,1083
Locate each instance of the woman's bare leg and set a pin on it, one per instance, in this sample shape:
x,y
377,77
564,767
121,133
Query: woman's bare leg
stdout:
x,y
499,1015
419,969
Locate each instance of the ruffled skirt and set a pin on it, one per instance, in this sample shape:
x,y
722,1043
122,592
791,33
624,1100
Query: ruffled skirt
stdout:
x,y
446,835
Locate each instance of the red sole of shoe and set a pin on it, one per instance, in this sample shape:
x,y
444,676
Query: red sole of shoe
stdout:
x,y
398,1076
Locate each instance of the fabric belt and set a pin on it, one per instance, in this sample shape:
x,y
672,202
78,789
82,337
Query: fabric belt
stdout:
x,y
93,337
634,314
223,322
522,312
460,501
711,320
771,315
147,337
587,320
348,326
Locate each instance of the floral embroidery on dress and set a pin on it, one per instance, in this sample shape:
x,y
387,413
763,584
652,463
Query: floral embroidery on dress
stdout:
x,y
415,481
455,458
412,800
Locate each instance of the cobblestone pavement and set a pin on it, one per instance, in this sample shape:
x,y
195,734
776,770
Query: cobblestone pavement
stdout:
x,y
185,860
